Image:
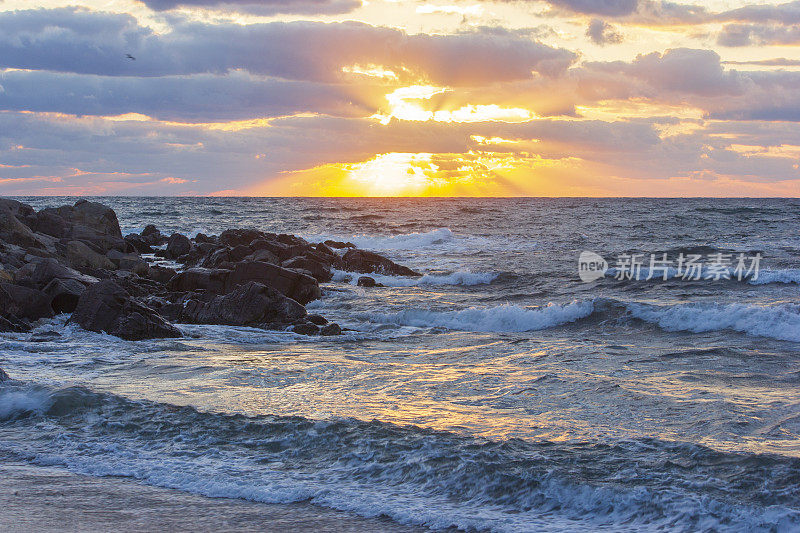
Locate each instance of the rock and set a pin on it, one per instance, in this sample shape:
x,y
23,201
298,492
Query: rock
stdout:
x,y
178,245
366,281
161,274
64,294
305,328
279,250
237,237
213,280
288,282
18,302
237,253
107,307
15,232
131,262
40,271
330,330
252,304
3,376
202,237
265,256
13,325
139,244
367,262
319,270
80,256
96,216
150,230
317,319
18,209
339,245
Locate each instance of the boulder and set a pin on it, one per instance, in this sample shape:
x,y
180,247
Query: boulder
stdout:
x,y
18,302
15,232
338,244
150,230
82,257
137,243
299,287
251,304
366,281
317,319
330,330
12,324
97,217
306,328
107,307
161,274
41,271
369,262
131,262
213,280
265,256
237,237
178,245
319,270
64,294
3,376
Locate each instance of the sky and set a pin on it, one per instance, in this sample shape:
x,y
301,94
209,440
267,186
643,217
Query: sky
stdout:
x,y
400,98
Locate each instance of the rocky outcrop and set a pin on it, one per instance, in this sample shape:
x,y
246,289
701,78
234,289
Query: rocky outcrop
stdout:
x,y
178,245
251,304
107,307
369,262
74,259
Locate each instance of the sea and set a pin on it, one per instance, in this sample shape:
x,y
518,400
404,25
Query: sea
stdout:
x,y
499,391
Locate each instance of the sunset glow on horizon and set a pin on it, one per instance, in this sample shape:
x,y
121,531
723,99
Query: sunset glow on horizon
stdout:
x,y
400,98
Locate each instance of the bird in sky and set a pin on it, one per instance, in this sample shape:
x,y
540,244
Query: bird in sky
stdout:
x,y
130,57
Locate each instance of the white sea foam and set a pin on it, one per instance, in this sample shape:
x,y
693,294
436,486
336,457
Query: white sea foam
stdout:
x,y
790,275
503,318
455,278
780,322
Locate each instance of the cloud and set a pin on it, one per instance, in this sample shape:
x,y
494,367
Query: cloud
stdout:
x,y
774,62
602,33
262,7
788,13
611,8
758,34
87,42
197,98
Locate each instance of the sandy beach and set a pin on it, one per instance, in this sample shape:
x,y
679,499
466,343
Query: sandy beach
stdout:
x,y
34,498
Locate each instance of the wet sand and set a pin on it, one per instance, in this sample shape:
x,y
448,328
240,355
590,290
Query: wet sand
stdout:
x,y
34,498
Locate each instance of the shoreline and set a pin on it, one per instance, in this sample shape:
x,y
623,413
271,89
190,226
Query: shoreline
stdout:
x,y
53,499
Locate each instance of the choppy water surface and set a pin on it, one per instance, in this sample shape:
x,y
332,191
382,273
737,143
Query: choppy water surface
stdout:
x,y
497,392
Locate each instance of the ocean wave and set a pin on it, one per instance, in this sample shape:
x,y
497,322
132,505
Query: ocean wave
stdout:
x,y
403,241
781,322
503,318
790,275
454,278
412,475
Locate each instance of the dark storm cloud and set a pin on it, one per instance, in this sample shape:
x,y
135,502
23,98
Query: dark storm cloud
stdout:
x,y
76,40
262,7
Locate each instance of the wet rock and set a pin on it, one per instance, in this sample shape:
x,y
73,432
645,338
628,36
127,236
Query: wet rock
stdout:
x,y
317,319
18,302
330,330
251,304
202,238
299,287
305,328
3,376
96,216
11,324
64,294
366,281
237,253
41,271
265,256
178,245
370,262
107,307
